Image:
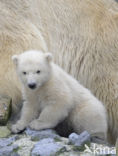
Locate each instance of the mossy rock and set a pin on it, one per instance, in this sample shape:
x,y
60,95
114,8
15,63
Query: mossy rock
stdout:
x,y
5,109
4,132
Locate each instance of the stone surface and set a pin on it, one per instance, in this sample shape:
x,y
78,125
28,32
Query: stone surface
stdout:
x,y
46,147
5,109
37,135
47,143
8,150
7,141
4,131
79,140
25,145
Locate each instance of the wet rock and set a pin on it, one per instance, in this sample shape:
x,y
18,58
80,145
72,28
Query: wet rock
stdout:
x,y
79,140
46,147
5,109
4,131
38,135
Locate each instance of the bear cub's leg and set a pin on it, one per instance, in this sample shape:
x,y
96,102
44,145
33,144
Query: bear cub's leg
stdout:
x,y
92,118
27,115
49,117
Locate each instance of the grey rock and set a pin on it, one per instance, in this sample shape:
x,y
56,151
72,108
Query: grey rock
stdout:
x,y
46,147
25,145
8,150
73,137
14,154
79,140
7,141
38,135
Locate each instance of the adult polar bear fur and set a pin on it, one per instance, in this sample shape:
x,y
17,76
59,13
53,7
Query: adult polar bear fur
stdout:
x,y
51,95
81,34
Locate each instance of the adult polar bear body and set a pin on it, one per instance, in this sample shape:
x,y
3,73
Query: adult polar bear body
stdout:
x,y
51,95
82,35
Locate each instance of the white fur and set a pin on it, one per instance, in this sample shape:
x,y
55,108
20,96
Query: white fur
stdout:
x,y
57,96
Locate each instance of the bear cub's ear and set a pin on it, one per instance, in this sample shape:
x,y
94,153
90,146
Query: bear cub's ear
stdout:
x,y
15,59
48,56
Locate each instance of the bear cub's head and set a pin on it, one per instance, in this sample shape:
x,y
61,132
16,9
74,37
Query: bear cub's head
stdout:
x,y
33,68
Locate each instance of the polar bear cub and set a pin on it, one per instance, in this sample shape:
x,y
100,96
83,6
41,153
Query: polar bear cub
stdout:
x,y
51,95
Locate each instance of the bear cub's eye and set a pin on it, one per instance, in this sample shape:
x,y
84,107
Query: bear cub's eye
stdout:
x,y
38,71
24,73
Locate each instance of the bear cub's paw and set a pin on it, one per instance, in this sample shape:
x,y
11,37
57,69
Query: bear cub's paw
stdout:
x,y
35,125
18,127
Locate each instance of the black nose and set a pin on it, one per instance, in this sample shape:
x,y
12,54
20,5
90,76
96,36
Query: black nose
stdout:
x,y
32,85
